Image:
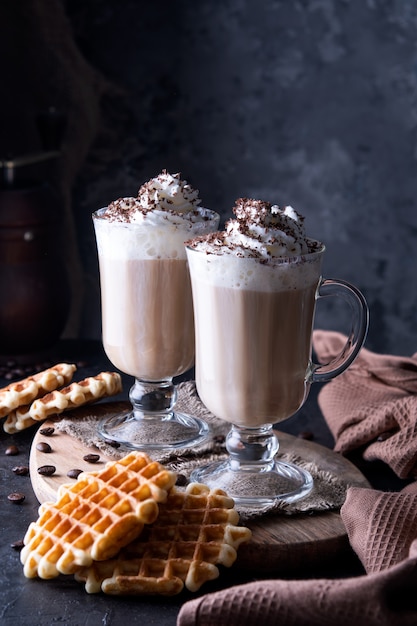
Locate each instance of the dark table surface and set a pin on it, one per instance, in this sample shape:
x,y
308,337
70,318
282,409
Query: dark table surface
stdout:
x,y
33,602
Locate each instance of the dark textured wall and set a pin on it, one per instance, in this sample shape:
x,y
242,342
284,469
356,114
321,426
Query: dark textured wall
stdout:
x,y
307,102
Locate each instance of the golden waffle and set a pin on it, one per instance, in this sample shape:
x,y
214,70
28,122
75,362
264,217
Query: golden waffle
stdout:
x,y
195,531
75,395
24,391
95,516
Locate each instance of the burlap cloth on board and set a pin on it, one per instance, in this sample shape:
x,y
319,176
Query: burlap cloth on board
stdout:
x,y
329,490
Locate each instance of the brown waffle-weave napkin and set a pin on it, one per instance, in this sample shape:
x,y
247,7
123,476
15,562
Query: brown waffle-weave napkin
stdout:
x,y
372,405
382,529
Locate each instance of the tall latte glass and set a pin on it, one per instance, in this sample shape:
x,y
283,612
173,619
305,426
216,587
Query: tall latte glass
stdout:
x,y
147,312
254,316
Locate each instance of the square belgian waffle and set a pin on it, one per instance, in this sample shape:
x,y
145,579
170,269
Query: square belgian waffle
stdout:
x,y
196,530
96,516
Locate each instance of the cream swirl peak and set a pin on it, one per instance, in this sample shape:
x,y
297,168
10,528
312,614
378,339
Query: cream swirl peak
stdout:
x,y
164,198
168,193
262,230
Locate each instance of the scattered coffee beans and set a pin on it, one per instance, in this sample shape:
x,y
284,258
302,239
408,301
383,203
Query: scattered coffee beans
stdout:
x,y
17,498
91,458
21,470
182,480
13,371
42,446
48,431
46,470
17,545
74,473
12,450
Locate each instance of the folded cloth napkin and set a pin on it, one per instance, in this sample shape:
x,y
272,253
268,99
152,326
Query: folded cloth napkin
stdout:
x,y
381,526
372,405
382,529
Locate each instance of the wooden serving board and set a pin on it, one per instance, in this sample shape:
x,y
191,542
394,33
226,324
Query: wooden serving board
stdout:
x,y
280,544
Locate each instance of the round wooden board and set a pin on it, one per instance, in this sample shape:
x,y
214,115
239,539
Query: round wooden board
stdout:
x,y
280,544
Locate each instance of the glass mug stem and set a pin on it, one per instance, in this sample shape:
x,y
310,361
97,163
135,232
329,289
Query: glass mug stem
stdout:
x,y
152,397
252,447
153,422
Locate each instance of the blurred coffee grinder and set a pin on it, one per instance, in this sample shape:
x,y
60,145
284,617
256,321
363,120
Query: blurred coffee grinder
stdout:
x,y
34,285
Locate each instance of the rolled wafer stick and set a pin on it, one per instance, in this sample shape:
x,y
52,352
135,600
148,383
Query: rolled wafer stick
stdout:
x,y
75,395
18,420
23,392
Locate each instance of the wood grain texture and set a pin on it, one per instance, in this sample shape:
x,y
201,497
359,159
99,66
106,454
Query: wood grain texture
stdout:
x,y
280,545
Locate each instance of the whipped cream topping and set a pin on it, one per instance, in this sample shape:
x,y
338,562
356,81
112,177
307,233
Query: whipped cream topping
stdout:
x,y
264,248
156,223
164,198
262,230
168,193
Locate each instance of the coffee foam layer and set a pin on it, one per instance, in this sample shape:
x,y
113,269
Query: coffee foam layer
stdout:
x,y
255,274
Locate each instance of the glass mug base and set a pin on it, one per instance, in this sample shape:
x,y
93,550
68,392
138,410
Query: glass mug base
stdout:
x,y
257,488
253,475
154,432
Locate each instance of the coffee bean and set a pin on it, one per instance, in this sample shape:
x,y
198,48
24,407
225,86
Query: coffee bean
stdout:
x,y
91,458
48,431
306,434
74,473
17,498
46,470
17,545
182,480
114,444
42,446
21,470
12,450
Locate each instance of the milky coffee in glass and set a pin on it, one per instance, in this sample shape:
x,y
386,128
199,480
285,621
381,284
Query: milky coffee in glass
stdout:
x,y
254,320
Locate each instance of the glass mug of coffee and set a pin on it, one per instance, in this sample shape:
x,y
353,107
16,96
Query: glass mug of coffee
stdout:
x,y
147,312
254,321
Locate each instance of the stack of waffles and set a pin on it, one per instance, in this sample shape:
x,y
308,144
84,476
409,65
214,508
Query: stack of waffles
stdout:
x,y
128,530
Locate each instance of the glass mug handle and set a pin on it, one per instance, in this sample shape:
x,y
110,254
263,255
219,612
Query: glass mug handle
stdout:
x,y
360,320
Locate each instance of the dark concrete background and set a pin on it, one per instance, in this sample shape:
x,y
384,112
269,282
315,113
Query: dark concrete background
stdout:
x,y
305,102
310,103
